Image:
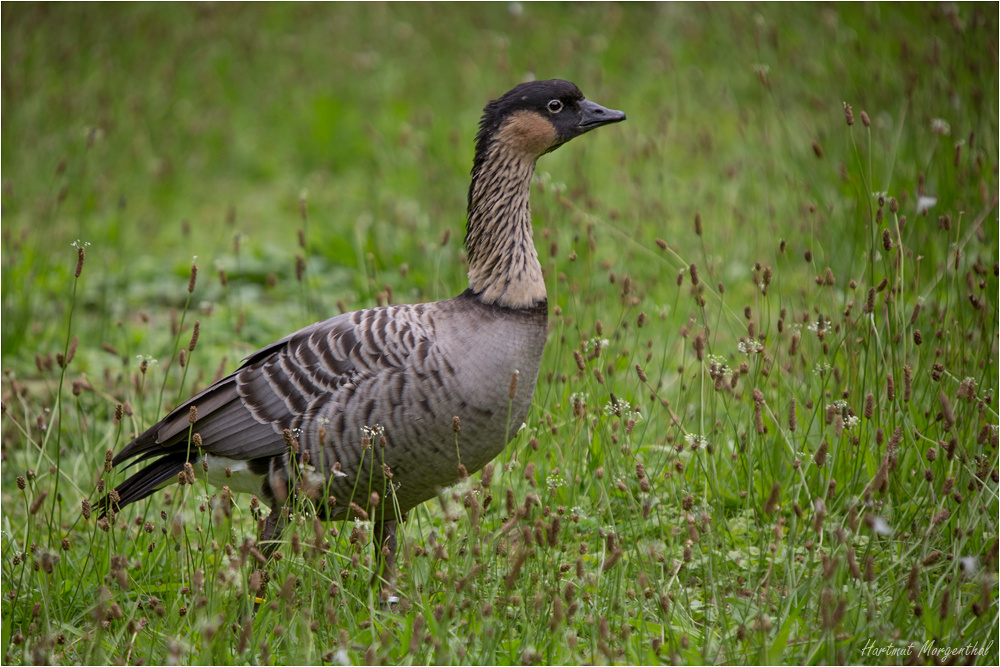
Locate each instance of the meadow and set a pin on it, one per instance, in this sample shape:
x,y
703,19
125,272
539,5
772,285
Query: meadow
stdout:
x,y
766,425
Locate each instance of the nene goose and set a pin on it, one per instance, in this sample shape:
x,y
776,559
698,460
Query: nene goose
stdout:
x,y
369,398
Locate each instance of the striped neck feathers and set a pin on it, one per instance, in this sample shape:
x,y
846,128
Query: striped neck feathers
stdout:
x,y
503,262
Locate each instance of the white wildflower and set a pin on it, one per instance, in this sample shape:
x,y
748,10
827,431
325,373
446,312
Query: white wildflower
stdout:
x,y
595,343
554,481
622,408
880,527
940,126
819,324
619,406
695,440
969,565
925,203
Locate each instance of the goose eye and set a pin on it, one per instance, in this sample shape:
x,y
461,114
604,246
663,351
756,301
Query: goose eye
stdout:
x,y
555,106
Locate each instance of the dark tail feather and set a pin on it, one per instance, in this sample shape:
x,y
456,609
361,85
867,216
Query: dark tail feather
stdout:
x,y
144,482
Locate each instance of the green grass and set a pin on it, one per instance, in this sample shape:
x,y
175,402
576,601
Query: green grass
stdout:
x,y
801,467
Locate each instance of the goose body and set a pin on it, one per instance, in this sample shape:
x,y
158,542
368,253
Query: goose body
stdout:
x,y
399,372
358,411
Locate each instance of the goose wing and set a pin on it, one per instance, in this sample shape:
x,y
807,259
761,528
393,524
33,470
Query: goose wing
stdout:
x,y
242,417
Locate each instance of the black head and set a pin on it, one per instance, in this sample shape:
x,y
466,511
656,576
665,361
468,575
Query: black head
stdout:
x,y
537,117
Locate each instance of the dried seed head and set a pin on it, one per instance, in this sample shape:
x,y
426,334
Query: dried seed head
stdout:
x,y
698,344
487,477
37,502
848,114
661,243
945,604
640,373
886,240
693,270
72,350
937,372
456,424
192,414
869,406
820,458
946,411
512,390
193,278
291,442
772,500
820,517
81,255
949,484
870,301
697,224
913,583
194,336
529,473
865,120
300,267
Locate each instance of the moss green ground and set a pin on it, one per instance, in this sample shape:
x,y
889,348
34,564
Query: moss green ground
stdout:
x,y
781,442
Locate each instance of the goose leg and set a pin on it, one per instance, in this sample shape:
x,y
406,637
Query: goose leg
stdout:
x,y
268,543
271,531
385,560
